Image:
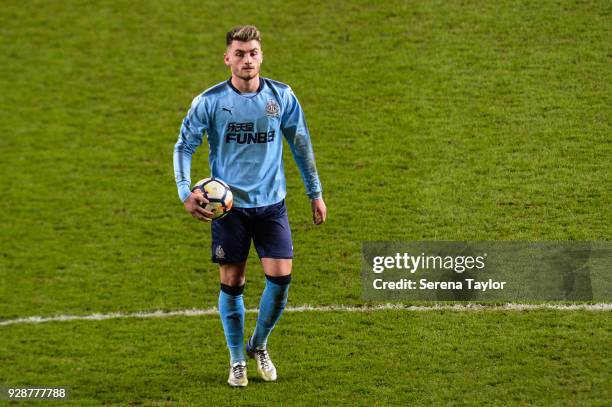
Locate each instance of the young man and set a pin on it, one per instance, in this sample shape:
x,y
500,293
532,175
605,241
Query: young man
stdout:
x,y
244,119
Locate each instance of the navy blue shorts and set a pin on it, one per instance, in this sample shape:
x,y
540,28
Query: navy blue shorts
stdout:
x,y
267,226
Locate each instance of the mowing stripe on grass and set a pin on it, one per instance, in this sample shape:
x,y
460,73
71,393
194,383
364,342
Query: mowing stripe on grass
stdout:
x,y
326,308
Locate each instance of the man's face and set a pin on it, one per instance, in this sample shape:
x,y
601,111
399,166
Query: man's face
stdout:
x,y
244,59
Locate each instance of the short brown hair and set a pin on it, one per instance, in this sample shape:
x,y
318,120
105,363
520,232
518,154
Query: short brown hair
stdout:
x,y
243,33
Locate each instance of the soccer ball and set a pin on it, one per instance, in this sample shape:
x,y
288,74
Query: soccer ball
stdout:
x,y
218,194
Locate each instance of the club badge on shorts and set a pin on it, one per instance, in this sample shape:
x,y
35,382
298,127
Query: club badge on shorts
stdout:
x,y
219,252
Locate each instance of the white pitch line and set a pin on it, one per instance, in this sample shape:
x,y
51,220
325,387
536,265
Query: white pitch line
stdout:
x,y
310,308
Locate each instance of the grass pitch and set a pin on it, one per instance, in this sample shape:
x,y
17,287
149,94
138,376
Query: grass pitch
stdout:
x,y
430,120
377,358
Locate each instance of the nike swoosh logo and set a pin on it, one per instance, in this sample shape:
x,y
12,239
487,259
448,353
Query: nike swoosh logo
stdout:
x,y
227,110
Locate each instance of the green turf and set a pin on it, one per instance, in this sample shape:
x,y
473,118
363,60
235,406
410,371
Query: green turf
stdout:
x,y
431,120
397,358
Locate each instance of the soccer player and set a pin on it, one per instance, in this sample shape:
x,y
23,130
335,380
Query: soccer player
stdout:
x,y
245,119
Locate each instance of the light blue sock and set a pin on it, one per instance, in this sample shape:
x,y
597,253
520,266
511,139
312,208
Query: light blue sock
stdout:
x,y
271,306
231,308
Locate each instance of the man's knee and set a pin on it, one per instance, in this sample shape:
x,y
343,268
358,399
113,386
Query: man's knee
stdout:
x,y
232,274
276,267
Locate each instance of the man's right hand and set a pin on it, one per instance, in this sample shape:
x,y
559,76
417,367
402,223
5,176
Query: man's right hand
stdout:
x,y
193,205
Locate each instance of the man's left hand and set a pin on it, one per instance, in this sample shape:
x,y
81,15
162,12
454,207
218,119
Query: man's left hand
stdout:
x,y
319,211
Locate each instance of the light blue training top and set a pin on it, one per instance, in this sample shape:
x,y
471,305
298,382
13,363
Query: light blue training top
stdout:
x,y
244,138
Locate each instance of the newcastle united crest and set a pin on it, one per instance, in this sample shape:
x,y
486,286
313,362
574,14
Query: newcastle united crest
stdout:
x,y
272,108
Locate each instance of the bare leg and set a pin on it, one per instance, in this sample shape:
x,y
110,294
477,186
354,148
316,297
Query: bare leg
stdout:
x,y
276,267
233,274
